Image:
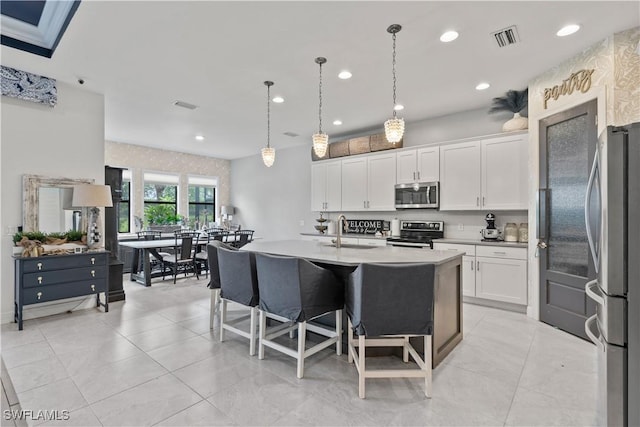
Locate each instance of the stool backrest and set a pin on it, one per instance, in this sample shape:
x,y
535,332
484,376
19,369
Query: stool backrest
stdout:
x,y
297,289
212,259
217,234
238,278
387,299
243,237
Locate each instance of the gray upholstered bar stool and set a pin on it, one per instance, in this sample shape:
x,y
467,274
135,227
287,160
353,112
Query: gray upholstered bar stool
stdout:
x,y
385,314
238,283
214,271
295,291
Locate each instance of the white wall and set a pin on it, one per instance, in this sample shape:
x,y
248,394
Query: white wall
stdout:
x,y
273,201
64,141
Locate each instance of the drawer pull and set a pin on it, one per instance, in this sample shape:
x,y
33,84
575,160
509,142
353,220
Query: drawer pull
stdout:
x,y
39,294
39,266
93,273
39,280
500,253
93,288
93,261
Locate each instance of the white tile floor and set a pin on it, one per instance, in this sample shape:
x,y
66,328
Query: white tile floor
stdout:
x,y
152,360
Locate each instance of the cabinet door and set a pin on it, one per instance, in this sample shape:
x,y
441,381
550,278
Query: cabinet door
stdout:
x,y
406,167
381,177
505,172
318,186
460,176
469,276
501,279
428,164
354,184
334,187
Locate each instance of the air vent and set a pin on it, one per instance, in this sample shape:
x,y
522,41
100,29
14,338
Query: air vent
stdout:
x,y
185,105
291,134
506,36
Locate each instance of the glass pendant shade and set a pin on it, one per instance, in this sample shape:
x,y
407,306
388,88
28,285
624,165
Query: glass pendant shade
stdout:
x,y
320,144
394,129
268,156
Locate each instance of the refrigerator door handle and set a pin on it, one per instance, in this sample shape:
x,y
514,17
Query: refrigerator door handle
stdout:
x,y
587,214
588,330
589,289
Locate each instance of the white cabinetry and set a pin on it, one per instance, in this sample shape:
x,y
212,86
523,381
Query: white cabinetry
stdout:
x,y
420,165
484,174
368,183
326,186
492,272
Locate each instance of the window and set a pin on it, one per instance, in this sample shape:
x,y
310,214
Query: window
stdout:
x,y
124,208
160,199
202,205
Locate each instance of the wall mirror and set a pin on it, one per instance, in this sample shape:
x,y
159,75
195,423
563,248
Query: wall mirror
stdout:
x,y
47,204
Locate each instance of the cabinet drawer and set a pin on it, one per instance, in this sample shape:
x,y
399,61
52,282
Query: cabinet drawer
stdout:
x,y
63,290
466,249
62,262
501,252
55,277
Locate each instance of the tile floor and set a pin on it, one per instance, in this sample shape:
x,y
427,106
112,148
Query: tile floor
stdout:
x,y
152,360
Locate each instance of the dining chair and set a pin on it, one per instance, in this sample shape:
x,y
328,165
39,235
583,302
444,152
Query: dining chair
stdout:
x,y
214,275
242,237
378,324
182,258
153,235
200,254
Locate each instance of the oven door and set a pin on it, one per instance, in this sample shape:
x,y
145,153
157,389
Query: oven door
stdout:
x,y
410,245
424,195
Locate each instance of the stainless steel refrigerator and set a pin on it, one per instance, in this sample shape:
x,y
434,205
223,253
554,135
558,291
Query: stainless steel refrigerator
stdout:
x,y
612,214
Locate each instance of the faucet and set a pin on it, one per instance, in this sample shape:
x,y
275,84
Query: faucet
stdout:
x,y
341,219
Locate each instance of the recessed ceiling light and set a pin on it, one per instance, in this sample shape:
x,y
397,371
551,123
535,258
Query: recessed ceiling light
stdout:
x,y
483,86
449,36
398,107
278,99
199,138
344,75
568,30
337,122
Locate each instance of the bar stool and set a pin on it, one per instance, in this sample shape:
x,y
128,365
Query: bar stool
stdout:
x,y
238,283
295,291
214,271
380,324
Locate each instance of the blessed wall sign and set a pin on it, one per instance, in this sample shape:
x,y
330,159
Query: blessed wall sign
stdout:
x,y
578,81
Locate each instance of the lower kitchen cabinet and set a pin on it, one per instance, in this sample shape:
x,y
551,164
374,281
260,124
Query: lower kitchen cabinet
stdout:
x,y
492,272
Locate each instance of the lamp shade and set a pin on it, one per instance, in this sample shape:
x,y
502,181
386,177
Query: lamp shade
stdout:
x,y
91,195
227,210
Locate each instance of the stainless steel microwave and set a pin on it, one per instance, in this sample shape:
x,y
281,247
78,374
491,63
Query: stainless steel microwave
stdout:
x,y
419,195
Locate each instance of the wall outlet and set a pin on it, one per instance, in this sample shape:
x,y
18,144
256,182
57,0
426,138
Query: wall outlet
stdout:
x,y
460,227
302,223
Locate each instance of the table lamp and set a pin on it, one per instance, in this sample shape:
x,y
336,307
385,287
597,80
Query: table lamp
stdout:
x,y
92,196
226,212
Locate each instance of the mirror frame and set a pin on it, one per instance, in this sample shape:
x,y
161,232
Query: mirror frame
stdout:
x,y
31,198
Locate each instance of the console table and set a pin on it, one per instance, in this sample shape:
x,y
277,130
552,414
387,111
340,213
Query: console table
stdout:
x,y
55,277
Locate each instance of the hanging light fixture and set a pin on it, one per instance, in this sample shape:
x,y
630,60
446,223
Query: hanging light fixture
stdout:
x,y
394,127
320,139
268,152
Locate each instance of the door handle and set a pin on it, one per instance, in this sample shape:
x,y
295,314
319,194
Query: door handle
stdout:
x,y
478,265
414,176
587,329
418,175
589,290
477,201
587,212
542,244
471,265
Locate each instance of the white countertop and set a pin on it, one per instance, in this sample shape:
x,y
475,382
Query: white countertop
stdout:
x,y
321,252
480,242
349,235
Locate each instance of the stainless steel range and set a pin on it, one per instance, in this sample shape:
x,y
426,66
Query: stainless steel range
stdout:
x,y
418,234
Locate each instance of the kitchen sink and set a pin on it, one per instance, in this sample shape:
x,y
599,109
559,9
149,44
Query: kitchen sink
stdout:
x,y
350,246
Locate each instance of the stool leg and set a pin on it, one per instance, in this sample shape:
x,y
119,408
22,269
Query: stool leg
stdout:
x,y
212,309
252,333
302,334
263,333
361,355
223,318
349,340
405,350
427,362
339,332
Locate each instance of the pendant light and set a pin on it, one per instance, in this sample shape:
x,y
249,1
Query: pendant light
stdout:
x,y
394,127
320,139
268,152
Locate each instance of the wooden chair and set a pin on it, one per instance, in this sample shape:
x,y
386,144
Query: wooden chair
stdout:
x,y
242,237
153,235
182,258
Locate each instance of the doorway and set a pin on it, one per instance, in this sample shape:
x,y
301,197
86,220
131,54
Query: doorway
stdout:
x,y
567,146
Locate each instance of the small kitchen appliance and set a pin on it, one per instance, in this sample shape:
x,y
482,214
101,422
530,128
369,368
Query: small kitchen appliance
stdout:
x,y
418,234
419,195
491,232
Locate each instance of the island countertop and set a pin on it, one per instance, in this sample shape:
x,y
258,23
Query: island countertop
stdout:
x,y
350,256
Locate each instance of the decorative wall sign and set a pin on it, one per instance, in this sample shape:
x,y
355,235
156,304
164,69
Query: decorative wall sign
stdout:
x,y
27,86
578,81
366,226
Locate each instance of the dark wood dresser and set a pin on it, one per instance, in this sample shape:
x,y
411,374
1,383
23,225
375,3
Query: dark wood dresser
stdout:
x,y
55,277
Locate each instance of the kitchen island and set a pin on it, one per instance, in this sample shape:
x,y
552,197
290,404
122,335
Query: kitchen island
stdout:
x,y
448,285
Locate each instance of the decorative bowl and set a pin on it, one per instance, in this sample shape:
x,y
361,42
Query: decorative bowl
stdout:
x,y
320,228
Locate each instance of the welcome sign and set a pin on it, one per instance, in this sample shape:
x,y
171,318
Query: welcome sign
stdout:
x,y
366,226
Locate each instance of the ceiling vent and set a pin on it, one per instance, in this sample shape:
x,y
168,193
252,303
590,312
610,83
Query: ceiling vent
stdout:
x,y
185,105
291,134
506,36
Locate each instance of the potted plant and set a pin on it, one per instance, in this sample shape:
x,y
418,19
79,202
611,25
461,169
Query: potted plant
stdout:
x,y
514,101
162,218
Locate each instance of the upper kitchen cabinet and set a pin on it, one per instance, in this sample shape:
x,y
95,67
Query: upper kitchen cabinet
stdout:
x,y
419,165
326,186
484,174
367,183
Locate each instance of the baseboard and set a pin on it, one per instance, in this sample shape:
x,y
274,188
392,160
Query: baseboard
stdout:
x,y
496,304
